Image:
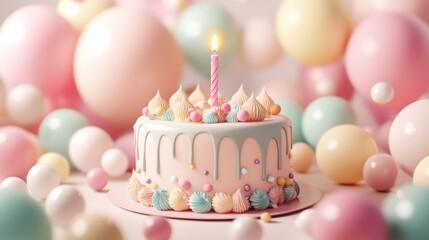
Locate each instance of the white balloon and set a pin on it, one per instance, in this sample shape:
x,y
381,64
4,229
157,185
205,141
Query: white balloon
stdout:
x,y
15,183
25,104
382,93
41,179
63,204
303,221
245,228
114,162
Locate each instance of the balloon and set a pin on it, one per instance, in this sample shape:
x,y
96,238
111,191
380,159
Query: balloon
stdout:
x,y
114,162
37,47
398,55
41,179
125,143
63,204
323,114
58,162
285,89
80,13
259,45
22,218
380,172
119,66
93,227
14,183
87,146
245,228
421,173
313,32
18,153
302,157
25,104
97,179
195,29
342,152
157,228
382,93
304,219
326,80
3,93
363,9
409,135
293,111
407,212
347,214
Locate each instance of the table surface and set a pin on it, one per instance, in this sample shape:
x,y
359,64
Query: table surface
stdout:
x,y
131,224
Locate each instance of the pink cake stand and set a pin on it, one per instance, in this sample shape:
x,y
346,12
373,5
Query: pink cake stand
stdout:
x,y
308,197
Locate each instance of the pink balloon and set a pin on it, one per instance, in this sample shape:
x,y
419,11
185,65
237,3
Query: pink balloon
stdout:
x,y
365,8
382,136
97,179
346,214
328,80
409,135
18,152
391,48
380,172
123,57
125,142
283,88
157,228
37,47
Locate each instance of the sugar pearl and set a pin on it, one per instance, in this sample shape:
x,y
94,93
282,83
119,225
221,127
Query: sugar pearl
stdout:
x,y
226,107
184,184
173,179
243,115
244,171
207,187
205,172
281,181
271,178
275,109
265,217
247,187
145,111
195,117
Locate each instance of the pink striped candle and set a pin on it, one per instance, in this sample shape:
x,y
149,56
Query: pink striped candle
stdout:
x,y
214,75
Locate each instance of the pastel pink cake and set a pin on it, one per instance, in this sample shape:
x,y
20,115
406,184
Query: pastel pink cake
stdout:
x,y
212,161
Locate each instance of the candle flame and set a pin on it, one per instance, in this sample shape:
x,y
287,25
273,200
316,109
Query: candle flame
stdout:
x,y
214,43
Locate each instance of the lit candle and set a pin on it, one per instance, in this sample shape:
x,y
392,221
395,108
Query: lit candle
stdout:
x,y
214,75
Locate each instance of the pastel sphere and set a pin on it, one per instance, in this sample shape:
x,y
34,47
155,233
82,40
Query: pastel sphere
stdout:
x,y
97,179
245,228
58,127
93,227
87,146
157,228
323,114
243,115
22,218
3,94
347,214
58,162
184,184
195,117
293,111
125,142
18,153
195,29
104,52
25,104
326,80
14,183
397,56
114,162
382,93
226,107
421,173
302,157
304,220
342,152
41,179
31,32
380,172
407,212
63,204
313,32
80,13
409,135
259,45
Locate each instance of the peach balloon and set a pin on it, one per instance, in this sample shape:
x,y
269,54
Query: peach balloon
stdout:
x,y
302,157
122,58
421,173
342,152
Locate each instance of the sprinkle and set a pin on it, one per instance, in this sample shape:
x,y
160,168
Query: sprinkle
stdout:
x,y
247,188
256,161
281,181
192,166
265,217
288,181
207,187
271,178
205,172
173,179
148,181
291,175
244,171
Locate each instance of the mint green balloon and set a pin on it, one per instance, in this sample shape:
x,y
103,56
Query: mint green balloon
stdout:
x,y
323,114
58,127
195,29
22,218
293,111
407,212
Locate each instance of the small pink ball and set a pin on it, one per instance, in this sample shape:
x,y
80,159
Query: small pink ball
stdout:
x,y
226,107
243,115
157,228
184,184
97,179
195,117
145,111
380,172
207,187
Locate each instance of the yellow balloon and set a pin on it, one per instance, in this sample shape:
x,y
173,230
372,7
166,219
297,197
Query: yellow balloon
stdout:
x,y
421,173
80,13
302,157
313,32
342,151
58,162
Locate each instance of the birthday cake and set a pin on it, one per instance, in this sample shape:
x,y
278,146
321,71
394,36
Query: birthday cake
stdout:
x,y
193,156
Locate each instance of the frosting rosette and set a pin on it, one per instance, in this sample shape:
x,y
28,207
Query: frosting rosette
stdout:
x,y
160,200
276,195
168,115
240,203
266,101
182,109
259,199
199,202
134,186
210,117
231,117
157,105
296,186
239,97
222,202
145,196
178,200
256,111
197,96
289,193
177,97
